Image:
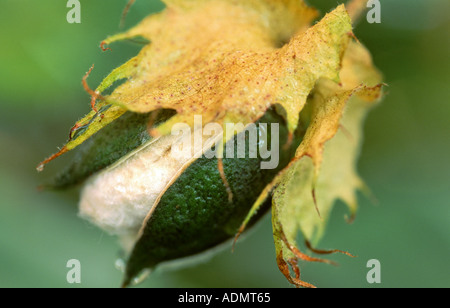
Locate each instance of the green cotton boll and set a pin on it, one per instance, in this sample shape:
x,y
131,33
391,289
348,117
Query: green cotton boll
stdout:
x,y
228,62
188,216
106,147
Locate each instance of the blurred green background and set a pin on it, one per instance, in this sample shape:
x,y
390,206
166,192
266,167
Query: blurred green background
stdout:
x,y
405,158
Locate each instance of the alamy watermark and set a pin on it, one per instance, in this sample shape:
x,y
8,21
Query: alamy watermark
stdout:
x,y
252,141
374,274
374,14
74,14
74,274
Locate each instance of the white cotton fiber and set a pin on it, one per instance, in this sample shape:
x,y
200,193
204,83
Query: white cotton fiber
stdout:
x,y
119,198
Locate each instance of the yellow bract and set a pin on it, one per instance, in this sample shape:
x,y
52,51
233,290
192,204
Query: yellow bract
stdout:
x,y
324,169
225,60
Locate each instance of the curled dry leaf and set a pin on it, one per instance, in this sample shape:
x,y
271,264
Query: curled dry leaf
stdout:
x,y
231,61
